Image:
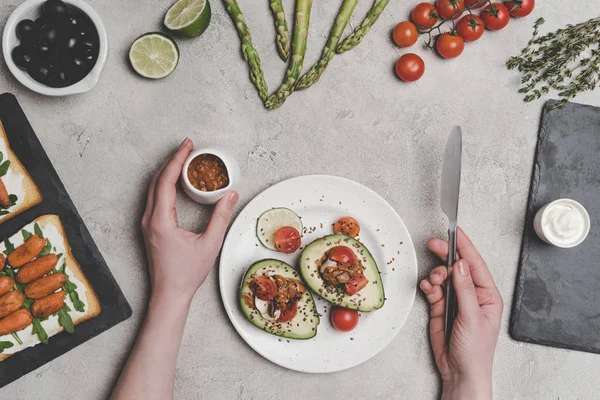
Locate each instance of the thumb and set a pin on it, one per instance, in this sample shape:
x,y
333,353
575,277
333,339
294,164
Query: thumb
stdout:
x,y
466,295
217,226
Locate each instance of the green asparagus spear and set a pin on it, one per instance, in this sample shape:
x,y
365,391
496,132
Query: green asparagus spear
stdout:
x,y
248,50
313,75
359,33
298,49
283,35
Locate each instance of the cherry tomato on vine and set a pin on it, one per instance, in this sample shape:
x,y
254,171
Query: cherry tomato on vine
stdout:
x,y
520,8
470,28
424,15
343,319
450,45
495,16
405,34
410,67
471,3
449,8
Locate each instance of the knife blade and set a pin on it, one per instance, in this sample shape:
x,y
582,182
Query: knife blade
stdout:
x,y
449,197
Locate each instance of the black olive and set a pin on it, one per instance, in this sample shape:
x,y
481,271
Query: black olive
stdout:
x,y
22,57
41,22
73,42
42,50
55,8
59,79
41,73
24,29
49,34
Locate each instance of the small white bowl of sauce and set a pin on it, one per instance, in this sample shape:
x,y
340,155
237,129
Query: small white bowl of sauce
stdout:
x,y
563,223
208,174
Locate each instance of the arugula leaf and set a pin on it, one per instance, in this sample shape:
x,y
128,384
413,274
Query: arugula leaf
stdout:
x,y
4,212
27,303
9,247
5,345
4,167
47,248
26,234
38,230
17,338
71,289
39,330
1,156
64,320
9,271
63,267
59,255
12,198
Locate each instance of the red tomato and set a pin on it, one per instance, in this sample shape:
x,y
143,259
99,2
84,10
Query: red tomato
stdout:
x,y
471,3
287,239
450,45
470,28
343,319
449,8
342,254
263,288
424,15
520,8
355,284
495,16
405,34
347,226
289,313
410,67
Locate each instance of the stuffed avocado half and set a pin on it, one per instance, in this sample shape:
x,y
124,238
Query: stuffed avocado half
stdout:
x,y
342,271
274,299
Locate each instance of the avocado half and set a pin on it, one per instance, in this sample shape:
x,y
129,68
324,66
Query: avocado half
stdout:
x,y
302,326
370,298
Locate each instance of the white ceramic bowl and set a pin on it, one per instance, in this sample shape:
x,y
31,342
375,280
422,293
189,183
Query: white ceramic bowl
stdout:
x,y
30,9
233,170
538,225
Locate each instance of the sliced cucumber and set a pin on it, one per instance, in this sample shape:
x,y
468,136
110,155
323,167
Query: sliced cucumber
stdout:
x,y
270,222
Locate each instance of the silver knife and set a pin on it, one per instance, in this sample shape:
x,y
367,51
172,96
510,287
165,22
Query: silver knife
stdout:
x,y
450,190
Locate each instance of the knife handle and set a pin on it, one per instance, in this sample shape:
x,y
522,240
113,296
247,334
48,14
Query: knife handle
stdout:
x,y
451,305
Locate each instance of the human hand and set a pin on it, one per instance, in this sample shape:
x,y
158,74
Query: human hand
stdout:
x,y
466,364
180,260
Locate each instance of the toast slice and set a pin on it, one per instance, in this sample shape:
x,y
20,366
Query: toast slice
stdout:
x,y
52,229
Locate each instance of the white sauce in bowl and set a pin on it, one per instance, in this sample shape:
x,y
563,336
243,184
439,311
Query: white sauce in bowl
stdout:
x,y
563,223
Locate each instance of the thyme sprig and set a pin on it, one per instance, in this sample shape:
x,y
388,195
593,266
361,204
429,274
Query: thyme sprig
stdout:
x,y
567,60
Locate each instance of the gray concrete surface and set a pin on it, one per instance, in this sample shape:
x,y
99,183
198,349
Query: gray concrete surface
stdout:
x,y
106,144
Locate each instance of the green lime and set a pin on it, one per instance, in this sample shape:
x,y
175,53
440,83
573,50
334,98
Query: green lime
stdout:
x,y
154,55
188,17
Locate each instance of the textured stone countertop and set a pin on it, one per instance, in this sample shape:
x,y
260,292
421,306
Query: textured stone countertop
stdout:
x,y
106,144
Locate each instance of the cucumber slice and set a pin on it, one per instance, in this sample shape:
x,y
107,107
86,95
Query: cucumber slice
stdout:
x,y
270,222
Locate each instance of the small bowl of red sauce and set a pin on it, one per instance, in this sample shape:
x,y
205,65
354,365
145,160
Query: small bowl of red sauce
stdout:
x,y
208,174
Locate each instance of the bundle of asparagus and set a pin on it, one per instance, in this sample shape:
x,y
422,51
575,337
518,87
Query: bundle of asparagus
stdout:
x,y
292,79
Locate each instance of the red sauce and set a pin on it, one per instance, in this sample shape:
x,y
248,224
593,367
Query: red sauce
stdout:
x,y
208,173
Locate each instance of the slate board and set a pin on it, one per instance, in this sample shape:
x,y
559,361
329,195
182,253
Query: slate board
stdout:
x,y
56,200
556,298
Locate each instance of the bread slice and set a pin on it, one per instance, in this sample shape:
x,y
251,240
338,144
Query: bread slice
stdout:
x,y
53,230
28,193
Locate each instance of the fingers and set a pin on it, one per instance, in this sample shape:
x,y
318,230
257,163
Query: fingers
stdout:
x,y
151,195
164,200
435,297
466,250
466,295
217,226
438,275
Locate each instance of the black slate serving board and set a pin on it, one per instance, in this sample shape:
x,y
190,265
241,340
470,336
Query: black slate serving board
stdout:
x,y
557,300
56,200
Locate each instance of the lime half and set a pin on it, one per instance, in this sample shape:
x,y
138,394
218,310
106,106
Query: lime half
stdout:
x,y
154,55
188,17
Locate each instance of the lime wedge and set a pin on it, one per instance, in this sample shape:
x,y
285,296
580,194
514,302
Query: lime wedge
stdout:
x,y
188,17
154,55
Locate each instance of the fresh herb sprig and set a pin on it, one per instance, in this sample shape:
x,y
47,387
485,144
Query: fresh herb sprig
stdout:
x,y
567,60
5,345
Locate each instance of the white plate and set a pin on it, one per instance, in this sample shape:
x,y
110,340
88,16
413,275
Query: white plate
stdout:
x,y
321,200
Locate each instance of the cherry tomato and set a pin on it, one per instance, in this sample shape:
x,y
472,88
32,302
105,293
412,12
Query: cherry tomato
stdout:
x,y
405,34
342,254
289,313
287,239
450,45
495,16
410,67
470,28
355,284
424,15
471,3
449,8
343,319
520,8
347,226
263,288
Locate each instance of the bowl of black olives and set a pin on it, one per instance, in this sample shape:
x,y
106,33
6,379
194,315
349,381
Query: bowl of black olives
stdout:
x,y
55,47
